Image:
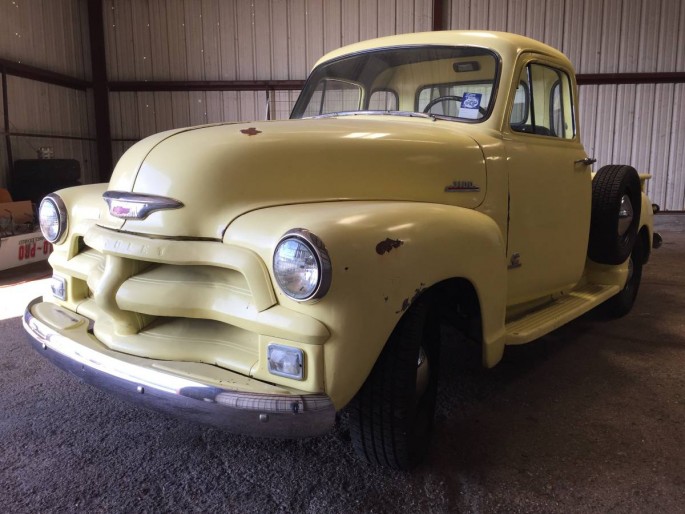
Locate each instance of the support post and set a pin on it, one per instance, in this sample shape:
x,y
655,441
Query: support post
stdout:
x,y
100,90
8,139
438,22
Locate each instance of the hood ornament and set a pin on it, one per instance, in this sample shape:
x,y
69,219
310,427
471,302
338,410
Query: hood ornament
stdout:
x,y
134,206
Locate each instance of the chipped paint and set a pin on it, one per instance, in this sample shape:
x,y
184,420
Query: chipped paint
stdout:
x,y
386,246
515,261
408,301
252,131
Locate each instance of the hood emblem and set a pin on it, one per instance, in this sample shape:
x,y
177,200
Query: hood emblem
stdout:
x,y
462,186
134,206
251,131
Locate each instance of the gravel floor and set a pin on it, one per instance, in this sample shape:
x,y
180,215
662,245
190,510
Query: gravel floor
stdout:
x,y
589,419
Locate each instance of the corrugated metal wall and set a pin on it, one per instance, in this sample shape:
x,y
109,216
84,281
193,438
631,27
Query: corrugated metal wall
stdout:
x,y
243,40
640,125
47,34
40,108
52,35
231,40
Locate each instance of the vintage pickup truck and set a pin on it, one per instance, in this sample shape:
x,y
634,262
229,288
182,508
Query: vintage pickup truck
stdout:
x,y
262,276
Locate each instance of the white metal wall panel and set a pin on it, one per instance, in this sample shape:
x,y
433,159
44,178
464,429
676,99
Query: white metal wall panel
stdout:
x,y
243,40
655,144
135,115
597,35
39,108
52,35
49,34
675,183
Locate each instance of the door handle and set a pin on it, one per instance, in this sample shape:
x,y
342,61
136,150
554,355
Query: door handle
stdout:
x,y
587,161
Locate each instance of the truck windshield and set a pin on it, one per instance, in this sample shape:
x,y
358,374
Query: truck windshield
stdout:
x,y
456,83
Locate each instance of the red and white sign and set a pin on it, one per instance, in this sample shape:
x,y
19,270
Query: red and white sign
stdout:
x,y
23,249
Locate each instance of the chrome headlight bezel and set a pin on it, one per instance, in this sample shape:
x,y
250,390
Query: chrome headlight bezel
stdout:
x,y
62,219
321,256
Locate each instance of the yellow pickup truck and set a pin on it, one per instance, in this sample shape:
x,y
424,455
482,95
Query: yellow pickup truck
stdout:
x,y
262,276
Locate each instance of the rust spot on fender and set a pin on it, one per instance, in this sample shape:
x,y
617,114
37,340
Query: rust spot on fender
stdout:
x,y
386,246
252,131
408,301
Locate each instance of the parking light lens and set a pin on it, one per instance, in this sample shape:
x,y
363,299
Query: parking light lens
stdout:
x,y
58,286
285,361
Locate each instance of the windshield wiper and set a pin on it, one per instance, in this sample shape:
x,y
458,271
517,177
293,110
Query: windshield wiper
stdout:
x,y
408,114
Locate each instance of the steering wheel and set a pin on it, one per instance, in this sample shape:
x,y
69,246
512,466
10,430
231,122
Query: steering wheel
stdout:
x,y
448,98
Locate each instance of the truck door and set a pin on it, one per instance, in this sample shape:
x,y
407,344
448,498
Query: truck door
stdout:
x,y
549,190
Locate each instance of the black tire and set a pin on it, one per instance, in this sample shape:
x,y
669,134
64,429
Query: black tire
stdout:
x,y
390,424
610,241
621,304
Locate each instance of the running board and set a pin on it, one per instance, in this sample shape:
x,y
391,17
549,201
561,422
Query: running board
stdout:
x,y
551,316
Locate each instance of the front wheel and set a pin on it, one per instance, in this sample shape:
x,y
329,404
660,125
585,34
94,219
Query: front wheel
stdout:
x,y
391,417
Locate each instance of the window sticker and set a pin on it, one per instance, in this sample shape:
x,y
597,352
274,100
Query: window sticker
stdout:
x,y
470,105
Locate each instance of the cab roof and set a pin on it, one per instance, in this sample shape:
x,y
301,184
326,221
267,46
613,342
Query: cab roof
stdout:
x,y
506,44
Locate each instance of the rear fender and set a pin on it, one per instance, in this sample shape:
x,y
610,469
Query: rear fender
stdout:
x,y
384,255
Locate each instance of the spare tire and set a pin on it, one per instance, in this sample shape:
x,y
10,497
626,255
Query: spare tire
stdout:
x,y
616,207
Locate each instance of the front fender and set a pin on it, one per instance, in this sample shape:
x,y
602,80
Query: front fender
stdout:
x,y
383,255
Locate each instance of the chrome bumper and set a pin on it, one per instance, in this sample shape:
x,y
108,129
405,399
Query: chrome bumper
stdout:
x,y
239,411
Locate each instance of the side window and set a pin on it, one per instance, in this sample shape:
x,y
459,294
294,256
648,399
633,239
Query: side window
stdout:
x,y
383,100
521,109
543,104
333,95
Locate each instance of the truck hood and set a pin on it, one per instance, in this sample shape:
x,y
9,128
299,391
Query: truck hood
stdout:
x,y
222,171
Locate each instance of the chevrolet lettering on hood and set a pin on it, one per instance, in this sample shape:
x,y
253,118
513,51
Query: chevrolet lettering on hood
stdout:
x,y
262,276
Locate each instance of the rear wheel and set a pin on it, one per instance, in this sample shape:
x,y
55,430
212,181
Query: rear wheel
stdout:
x,y
391,418
622,303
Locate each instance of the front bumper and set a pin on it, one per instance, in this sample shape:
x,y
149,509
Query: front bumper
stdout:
x,y
197,392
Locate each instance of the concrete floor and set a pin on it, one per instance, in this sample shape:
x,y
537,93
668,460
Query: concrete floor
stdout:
x,y
589,419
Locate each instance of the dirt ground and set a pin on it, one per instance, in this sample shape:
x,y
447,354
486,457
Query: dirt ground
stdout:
x,y
588,419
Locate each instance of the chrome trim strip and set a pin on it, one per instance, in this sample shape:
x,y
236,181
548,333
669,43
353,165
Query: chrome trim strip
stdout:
x,y
150,203
267,415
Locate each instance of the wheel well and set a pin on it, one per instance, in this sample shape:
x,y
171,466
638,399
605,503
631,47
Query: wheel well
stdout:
x,y
456,303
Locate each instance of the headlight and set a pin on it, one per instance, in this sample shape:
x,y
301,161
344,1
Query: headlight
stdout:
x,y
302,266
52,215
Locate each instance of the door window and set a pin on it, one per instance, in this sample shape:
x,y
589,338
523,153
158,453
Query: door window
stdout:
x,y
543,103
